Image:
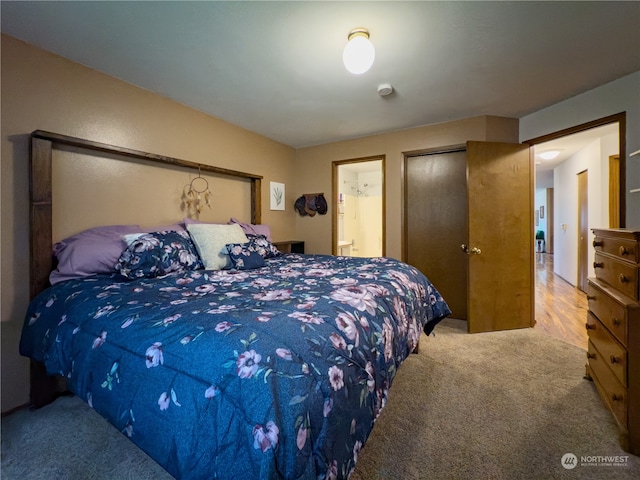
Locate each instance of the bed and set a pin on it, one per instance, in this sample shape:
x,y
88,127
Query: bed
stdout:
x,y
274,368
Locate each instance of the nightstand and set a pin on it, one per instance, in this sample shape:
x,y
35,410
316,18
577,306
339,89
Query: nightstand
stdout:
x,y
290,246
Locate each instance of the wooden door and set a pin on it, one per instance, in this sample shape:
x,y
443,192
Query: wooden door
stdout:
x,y
614,191
550,214
436,223
583,230
500,209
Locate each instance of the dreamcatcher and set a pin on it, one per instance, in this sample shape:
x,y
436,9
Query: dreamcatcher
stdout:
x,y
196,194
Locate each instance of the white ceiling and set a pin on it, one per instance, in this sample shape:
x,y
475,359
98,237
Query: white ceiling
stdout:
x,y
567,146
276,67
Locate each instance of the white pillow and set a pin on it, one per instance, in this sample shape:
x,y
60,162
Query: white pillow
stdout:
x,y
210,240
132,237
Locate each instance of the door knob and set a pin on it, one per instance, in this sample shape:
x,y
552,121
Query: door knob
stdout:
x,y
472,251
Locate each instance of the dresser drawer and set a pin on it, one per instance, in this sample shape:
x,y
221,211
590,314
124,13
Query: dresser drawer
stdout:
x,y
612,314
611,352
621,275
609,388
626,249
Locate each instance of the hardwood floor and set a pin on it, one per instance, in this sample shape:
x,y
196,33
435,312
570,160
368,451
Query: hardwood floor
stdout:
x,y
561,308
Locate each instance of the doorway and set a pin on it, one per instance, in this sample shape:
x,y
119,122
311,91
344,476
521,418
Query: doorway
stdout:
x,y
597,146
606,196
358,195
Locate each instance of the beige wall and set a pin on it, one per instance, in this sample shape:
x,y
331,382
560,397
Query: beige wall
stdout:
x,y
46,92
313,170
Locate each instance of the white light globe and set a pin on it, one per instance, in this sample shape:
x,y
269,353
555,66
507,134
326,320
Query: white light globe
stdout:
x,y
358,54
549,155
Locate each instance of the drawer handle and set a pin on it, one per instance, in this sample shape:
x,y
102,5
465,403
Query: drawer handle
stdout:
x,y
598,265
615,359
623,250
623,279
616,398
591,297
615,321
591,355
597,243
590,326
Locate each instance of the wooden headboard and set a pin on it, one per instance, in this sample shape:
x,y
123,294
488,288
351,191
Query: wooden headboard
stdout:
x,y
40,192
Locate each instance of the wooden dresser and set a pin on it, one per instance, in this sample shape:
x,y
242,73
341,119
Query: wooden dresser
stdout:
x,y
613,326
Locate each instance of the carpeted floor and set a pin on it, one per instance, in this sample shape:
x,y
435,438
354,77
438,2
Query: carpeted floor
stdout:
x,y
502,405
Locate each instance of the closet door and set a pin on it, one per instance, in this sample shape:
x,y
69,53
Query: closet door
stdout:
x,y
500,208
436,222
482,199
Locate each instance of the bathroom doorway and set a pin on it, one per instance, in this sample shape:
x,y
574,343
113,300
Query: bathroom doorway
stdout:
x,y
358,200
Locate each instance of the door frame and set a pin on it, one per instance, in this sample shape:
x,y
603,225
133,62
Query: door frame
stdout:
x,y
335,189
621,120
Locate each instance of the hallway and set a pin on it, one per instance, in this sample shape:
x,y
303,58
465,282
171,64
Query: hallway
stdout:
x,y
561,309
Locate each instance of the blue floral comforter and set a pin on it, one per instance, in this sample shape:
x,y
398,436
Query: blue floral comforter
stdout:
x,y
278,372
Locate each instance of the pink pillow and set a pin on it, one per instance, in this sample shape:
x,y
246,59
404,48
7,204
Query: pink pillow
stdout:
x,y
175,227
193,221
90,252
251,229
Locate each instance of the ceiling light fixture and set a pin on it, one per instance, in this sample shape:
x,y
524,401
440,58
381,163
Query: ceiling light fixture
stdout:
x,y
549,154
358,54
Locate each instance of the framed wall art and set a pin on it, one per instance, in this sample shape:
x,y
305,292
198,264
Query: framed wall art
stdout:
x,y
276,195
